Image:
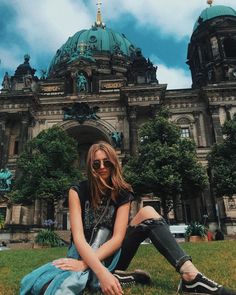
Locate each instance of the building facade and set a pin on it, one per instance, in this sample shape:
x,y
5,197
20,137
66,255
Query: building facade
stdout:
x,y
100,87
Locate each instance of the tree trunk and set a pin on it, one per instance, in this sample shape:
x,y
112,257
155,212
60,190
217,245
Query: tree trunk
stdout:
x,y
165,209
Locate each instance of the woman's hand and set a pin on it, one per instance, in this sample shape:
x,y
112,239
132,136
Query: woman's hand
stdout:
x,y
70,264
109,284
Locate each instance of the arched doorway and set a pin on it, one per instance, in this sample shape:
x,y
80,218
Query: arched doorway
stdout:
x,y
87,134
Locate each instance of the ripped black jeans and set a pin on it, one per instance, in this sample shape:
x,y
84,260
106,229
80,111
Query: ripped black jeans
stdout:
x,y
158,232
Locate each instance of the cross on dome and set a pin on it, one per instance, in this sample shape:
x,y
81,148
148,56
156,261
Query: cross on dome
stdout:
x,y
209,2
99,22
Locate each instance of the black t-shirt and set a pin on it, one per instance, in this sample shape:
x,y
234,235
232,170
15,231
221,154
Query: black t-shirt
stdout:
x,y
105,214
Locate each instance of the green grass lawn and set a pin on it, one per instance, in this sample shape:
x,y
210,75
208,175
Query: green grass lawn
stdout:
x,y
217,260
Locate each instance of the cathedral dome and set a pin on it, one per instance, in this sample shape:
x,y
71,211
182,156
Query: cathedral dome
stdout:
x,y
212,12
89,43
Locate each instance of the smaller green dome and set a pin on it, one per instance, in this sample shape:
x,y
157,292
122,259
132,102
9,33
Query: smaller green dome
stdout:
x,y
212,12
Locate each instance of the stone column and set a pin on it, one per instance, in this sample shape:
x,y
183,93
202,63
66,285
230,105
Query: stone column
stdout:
x,y
178,209
209,203
228,108
216,124
203,129
9,214
23,131
120,126
196,116
73,75
152,110
37,212
133,131
4,140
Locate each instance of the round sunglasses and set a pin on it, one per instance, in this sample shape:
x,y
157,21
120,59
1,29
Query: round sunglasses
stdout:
x,y
106,163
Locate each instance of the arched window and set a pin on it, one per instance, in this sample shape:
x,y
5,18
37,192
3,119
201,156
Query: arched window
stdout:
x,y
184,124
185,132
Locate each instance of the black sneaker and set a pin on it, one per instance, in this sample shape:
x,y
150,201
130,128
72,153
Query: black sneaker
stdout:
x,y
201,285
127,278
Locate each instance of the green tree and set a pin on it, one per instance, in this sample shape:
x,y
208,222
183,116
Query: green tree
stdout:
x,y
222,161
46,167
167,164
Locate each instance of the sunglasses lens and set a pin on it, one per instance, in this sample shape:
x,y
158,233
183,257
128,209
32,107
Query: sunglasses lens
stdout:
x,y
96,165
106,163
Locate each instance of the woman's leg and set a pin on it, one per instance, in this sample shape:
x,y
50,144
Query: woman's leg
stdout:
x,y
148,223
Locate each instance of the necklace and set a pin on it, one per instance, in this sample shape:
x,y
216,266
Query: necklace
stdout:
x,y
101,210
98,218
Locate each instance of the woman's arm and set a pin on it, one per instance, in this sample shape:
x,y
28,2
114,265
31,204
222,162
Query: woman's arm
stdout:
x,y
109,284
120,227
113,244
108,248
86,252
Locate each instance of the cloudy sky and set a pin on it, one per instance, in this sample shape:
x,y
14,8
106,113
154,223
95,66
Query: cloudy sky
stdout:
x,y
161,28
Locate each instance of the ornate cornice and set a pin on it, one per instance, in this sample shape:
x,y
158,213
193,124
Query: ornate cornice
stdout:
x,y
219,98
184,105
143,99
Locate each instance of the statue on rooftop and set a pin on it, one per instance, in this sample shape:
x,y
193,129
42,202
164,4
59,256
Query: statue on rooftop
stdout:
x,y
6,83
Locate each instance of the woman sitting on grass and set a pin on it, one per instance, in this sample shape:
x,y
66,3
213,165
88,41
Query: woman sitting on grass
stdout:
x,y
104,202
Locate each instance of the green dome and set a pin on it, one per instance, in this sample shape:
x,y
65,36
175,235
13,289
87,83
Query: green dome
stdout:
x,y
87,43
214,11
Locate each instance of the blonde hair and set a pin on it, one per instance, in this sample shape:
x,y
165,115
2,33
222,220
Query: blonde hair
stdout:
x,y
96,183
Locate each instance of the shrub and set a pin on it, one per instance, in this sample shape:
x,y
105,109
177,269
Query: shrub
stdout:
x,y
47,237
196,229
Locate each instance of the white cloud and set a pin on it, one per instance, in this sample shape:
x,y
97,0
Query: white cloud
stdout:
x,y
172,17
8,62
44,25
9,59
47,24
175,78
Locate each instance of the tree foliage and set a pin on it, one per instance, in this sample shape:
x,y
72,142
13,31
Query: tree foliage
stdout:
x,y
167,164
46,167
222,161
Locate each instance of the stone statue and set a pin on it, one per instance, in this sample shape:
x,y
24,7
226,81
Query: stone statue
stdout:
x,y
117,138
82,83
117,50
28,79
6,83
5,179
80,111
231,73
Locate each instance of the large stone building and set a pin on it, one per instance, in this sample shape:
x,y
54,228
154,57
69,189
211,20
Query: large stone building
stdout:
x,y
100,87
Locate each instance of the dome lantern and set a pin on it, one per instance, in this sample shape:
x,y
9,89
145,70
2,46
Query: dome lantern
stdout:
x,y
99,22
